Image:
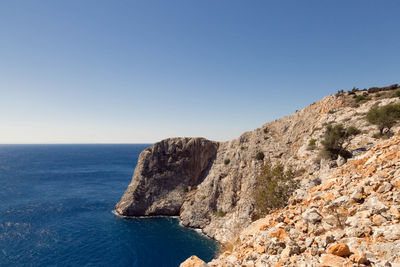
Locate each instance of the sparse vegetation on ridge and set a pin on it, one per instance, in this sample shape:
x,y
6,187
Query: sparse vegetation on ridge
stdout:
x,y
362,98
340,93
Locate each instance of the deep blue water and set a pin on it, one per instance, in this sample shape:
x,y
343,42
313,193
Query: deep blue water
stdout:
x,y
56,205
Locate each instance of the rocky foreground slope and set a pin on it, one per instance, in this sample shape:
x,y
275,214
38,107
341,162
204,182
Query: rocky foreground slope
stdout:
x,y
211,186
351,219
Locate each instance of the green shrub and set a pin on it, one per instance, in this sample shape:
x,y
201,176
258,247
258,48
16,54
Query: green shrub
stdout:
x,y
334,141
352,130
360,98
242,148
266,130
397,93
227,161
274,187
385,88
384,117
374,90
354,90
220,213
340,93
260,156
312,143
203,197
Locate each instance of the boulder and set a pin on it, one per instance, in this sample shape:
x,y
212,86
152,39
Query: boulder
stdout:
x,y
340,249
312,216
374,205
340,161
392,232
329,260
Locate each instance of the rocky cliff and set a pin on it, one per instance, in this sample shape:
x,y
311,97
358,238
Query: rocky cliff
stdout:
x,y
163,175
216,193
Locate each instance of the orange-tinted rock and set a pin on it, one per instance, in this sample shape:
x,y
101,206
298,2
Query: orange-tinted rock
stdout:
x,y
328,185
260,249
279,233
395,212
340,249
370,171
378,219
193,261
329,196
287,220
329,260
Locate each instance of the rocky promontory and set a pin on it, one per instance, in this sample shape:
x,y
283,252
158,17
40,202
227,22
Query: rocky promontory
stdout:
x,y
164,174
341,208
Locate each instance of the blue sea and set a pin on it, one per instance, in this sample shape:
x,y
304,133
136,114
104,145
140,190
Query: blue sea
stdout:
x,y
56,204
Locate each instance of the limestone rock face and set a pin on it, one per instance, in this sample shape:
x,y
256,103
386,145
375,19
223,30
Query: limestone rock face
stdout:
x,y
164,175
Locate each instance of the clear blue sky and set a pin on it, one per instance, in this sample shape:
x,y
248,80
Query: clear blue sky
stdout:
x,y
140,71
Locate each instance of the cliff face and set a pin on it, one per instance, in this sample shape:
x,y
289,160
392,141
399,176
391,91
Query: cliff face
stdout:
x,y
222,203
164,173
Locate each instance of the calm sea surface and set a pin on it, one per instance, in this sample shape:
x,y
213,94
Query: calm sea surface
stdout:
x,y
56,205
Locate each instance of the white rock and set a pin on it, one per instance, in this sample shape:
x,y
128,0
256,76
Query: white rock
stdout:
x,y
312,216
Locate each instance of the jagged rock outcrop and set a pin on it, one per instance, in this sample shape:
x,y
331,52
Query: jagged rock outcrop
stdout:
x,y
164,174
